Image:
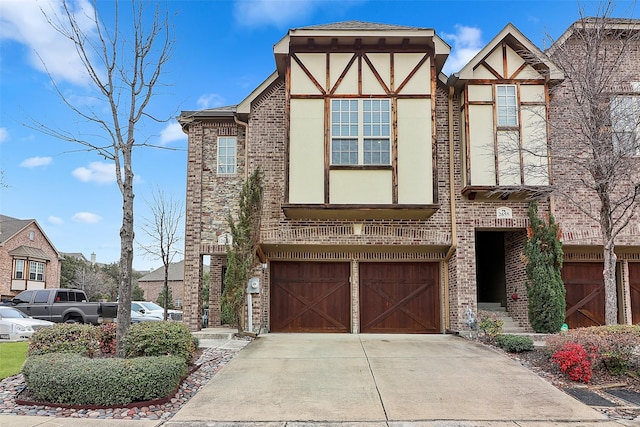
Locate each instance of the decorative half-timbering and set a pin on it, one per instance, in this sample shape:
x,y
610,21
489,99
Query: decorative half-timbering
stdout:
x,y
504,114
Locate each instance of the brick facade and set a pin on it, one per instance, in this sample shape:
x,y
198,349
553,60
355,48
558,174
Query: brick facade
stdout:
x,y
21,238
446,237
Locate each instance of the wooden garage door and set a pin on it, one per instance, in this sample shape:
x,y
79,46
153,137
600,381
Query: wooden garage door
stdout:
x,y
634,285
399,298
310,297
585,293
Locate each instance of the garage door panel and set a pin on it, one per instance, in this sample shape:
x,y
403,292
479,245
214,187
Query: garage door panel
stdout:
x,y
584,284
310,297
634,288
399,298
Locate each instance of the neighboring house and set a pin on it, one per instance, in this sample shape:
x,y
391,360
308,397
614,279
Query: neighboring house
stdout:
x,y
28,259
390,201
153,283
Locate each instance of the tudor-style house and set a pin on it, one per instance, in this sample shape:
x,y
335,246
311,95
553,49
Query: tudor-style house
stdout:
x,y
28,259
395,197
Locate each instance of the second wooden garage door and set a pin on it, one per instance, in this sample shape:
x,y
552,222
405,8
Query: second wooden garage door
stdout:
x,y
399,298
310,297
634,288
585,293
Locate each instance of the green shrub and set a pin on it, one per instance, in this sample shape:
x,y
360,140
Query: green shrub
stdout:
x,y
514,343
159,339
66,338
612,347
72,379
490,323
545,290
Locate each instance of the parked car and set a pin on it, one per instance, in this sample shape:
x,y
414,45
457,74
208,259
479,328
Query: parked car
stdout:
x,y
137,317
64,306
149,308
15,325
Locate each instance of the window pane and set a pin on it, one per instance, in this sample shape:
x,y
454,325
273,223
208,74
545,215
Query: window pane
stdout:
x,y
506,105
376,152
344,152
227,155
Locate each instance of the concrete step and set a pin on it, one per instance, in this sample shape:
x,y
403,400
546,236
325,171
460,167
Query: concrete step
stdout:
x,y
510,326
215,334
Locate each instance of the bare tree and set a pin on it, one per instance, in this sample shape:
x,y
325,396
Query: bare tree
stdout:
x,y
123,70
594,126
598,148
163,233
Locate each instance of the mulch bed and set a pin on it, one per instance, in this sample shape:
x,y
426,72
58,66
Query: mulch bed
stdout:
x,y
623,391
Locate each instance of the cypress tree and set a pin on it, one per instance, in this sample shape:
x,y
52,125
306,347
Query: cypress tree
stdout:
x,y
241,254
545,289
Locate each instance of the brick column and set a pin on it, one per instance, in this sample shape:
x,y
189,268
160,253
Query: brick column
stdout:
x,y
192,304
355,297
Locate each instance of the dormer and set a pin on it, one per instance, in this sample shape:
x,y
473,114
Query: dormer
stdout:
x,y
504,109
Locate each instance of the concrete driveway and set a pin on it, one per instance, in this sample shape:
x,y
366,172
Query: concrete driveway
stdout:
x,y
403,380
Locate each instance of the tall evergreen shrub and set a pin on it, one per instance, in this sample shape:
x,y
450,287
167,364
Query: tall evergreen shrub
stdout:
x,y
545,289
241,254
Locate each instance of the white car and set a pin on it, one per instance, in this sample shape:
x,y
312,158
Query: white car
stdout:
x,y
152,309
17,326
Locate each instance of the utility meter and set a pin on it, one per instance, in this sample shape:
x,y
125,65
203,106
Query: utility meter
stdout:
x,y
253,286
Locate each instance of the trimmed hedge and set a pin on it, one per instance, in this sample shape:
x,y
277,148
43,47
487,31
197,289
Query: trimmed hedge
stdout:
x,y
72,379
514,343
159,339
66,338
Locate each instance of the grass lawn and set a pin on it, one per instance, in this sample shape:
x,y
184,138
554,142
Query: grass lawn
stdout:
x,y
12,355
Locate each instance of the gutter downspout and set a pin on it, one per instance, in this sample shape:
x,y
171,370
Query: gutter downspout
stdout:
x,y
245,125
452,198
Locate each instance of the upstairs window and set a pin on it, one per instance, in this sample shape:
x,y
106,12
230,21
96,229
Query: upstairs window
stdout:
x,y
625,124
227,155
18,270
507,105
360,132
36,271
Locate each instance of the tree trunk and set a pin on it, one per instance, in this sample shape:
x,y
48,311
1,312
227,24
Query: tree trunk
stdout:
x,y
610,285
166,290
126,255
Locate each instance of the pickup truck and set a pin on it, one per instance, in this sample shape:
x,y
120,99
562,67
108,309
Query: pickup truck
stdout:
x,y
64,306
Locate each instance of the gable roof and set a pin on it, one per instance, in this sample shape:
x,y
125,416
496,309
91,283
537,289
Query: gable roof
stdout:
x,y
518,41
617,24
176,273
10,226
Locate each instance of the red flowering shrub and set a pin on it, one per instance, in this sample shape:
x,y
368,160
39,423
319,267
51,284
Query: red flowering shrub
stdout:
x,y
613,347
108,338
574,361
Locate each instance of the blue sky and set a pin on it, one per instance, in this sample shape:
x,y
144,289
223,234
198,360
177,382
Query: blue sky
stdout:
x,y
223,51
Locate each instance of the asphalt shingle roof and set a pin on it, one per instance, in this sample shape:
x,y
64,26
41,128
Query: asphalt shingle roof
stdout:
x,y
10,226
176,272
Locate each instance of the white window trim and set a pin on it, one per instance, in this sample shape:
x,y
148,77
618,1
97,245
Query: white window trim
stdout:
x,y
497,106
15,268
235,156
631,128
360,138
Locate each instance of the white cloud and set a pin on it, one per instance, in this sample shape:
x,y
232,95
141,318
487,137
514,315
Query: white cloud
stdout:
x,y
210,100
24,22
55,220
102,173
86,217
34,162
467,42
256,13
4,135
171,133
